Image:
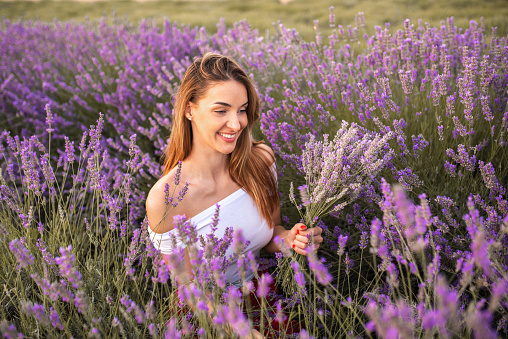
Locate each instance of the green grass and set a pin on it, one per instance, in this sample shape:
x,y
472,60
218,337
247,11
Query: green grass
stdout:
x,y
261,14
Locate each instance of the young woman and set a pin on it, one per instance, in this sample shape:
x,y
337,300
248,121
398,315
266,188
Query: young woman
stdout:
x,y
215,110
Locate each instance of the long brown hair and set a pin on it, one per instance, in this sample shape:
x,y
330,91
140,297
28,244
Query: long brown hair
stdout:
x,y
247,165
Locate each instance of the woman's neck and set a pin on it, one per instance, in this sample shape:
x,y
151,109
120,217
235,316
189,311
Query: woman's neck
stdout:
x,y
206,166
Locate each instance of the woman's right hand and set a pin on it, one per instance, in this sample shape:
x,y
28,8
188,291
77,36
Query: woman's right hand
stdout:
x,y
298,238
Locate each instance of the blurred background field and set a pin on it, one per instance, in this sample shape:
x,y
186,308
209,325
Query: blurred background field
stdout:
x,y
261,14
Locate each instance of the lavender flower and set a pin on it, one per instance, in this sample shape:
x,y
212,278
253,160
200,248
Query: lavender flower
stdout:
x,y
168,199
364,240
21,253
342,244
233,315
280,317
489,177
348,264
152,329
304,195
178,173
299,276
239,242
9,330
69,150
35,310
66,266
81,302
319,269
264,285
94,333
49,118
305,335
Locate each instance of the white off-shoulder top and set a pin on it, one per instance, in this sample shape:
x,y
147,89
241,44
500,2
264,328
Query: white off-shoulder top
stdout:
x,y
238,211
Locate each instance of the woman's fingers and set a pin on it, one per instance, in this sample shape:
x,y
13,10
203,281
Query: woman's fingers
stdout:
x,y
302,238
299,248
304,235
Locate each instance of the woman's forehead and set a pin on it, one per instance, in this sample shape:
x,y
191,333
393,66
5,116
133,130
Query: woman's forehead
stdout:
x,y
231,92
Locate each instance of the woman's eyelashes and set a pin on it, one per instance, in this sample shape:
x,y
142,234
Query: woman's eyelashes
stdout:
x,y
223,111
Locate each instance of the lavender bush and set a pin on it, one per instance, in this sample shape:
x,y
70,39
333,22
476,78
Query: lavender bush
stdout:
x,y
420,253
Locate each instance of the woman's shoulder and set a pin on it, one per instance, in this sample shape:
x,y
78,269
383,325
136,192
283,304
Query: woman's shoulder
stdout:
x,y
159,218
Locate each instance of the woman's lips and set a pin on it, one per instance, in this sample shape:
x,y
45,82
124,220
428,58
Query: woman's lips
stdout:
x,y
227,137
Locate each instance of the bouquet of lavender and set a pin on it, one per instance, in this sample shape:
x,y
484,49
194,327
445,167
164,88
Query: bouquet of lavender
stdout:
x,y
336,173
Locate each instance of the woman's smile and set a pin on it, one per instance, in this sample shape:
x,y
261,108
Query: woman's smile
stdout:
x,y
227,137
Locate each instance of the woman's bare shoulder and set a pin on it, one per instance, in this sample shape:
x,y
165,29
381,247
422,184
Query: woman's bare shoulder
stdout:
x,y
159,213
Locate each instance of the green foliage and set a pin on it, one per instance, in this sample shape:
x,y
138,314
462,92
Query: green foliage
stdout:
x,y
299,14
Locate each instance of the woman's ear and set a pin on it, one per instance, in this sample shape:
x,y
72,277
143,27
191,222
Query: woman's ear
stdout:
x,y
188,111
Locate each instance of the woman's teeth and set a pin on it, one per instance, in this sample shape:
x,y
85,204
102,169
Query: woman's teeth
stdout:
x,y
229,136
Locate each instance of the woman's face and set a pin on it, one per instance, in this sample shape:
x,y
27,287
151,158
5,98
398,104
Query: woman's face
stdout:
x,y
219,117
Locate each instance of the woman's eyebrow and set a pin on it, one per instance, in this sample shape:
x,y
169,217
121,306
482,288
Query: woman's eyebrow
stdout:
x,y
226,104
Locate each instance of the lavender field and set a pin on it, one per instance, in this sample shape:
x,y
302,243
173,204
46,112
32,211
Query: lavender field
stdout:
x,y
421,251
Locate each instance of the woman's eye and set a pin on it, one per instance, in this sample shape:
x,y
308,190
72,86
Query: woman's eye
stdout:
x,y
221,111
243,110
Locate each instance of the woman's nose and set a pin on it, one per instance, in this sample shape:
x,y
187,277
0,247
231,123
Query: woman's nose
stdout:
x,y
234,122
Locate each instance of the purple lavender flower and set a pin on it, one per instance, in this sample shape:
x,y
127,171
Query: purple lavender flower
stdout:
x,y
304,195
168,199
375,234
48,258
393,273
21,253
94,333
152,329
450,168
299,276
49,118
171,331
216,265
40,228
364,240
239,242
480,247
66,266
264,285
280,317
178,173
55,319
232,314
490,179
305,335
81,302
162,270
319,269
9,330
479,321
69,150
342,240
35,310
181,194
419,143
462,157
348,264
